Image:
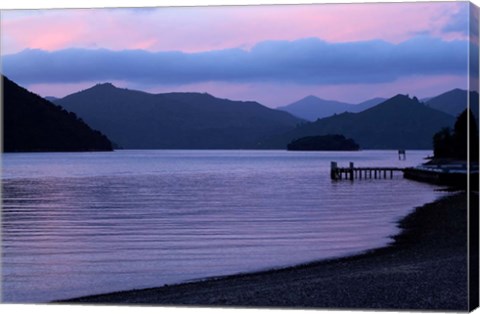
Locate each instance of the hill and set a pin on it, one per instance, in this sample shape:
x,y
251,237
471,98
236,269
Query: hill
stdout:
x,y
367,104
454,102
312,108
399,122
33,124
139,120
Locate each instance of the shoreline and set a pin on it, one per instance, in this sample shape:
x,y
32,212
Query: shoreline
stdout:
x,y
424,268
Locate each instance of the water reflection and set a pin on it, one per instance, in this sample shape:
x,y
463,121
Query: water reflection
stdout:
x,y
198,214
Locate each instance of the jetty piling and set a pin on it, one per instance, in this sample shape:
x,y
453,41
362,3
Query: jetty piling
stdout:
x,y
351,172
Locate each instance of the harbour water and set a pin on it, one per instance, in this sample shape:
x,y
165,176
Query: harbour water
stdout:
x,y
76,224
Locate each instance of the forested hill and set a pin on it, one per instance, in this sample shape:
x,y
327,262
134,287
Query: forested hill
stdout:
x,y
454,102
33,124
140,120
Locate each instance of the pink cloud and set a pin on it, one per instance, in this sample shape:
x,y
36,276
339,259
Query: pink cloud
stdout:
x,y
394,22
49,30
195,29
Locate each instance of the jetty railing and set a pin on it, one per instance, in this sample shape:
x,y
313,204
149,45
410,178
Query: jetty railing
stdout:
x,y
352,172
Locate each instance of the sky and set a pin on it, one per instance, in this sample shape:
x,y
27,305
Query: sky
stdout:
x,y
273,54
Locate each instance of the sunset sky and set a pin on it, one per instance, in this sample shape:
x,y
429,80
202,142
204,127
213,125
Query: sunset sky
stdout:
x,y
271,54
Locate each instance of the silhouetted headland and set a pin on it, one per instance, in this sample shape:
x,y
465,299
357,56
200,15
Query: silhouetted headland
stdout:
x,y
455,156
33,124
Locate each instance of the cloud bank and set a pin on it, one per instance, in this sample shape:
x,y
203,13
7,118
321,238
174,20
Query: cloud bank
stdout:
x,y
304,61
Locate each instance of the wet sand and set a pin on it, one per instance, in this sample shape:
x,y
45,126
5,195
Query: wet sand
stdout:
x,y
425,268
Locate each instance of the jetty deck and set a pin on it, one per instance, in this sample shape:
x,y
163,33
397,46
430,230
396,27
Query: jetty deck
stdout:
x,y
447,175
352,172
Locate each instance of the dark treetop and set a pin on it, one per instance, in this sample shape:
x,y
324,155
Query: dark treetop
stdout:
x,y
448,144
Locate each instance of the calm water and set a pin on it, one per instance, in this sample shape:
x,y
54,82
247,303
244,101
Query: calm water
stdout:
x,y
75,224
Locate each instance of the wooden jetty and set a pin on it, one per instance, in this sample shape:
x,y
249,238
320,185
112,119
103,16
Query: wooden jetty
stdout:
x,y
352,172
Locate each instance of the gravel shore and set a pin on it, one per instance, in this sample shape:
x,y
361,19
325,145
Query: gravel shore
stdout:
x,y
425,268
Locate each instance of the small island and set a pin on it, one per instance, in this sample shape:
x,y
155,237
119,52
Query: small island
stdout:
x,y
331,142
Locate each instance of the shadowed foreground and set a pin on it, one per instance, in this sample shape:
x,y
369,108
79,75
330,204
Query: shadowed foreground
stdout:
x,y
426,268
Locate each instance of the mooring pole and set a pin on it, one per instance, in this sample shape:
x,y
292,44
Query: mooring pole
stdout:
x,y
333,170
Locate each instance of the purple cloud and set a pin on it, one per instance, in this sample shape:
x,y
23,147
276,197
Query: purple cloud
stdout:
x,y
304,61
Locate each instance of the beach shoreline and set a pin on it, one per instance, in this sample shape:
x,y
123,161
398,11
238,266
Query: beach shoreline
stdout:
x,y
424,268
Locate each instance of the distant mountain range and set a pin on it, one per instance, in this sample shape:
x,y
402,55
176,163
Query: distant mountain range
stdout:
x,y
51,98
33,124
139,120
312,108
399,122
